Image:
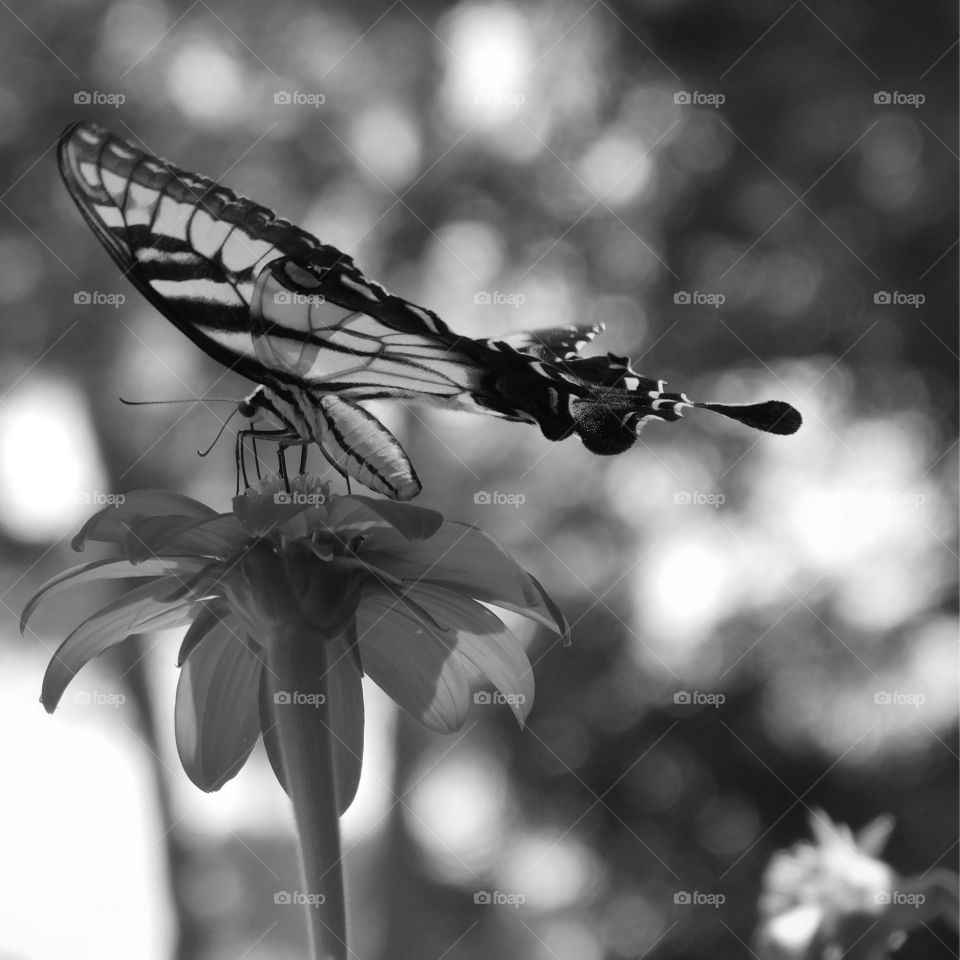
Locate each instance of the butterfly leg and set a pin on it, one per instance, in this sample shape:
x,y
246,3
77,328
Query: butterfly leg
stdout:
x,y
241,465
256,456
282,459
303,459
283,438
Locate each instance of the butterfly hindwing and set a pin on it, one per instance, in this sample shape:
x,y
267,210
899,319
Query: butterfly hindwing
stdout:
x,y
553,343
330,329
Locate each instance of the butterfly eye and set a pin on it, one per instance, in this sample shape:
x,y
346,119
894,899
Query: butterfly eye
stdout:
x,y
247,409
301,277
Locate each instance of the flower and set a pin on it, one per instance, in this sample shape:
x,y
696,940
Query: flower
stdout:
x,y
836,897
393,590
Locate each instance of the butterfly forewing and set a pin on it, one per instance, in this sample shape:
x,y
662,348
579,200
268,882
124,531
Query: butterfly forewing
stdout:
x,y
193,248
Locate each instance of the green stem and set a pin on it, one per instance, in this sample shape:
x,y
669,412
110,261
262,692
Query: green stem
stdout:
x,y
298,662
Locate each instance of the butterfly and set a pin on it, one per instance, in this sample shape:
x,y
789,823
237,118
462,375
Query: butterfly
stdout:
x,y
298,317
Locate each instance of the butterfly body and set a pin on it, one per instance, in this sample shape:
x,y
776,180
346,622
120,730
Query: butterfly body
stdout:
x,y
299,318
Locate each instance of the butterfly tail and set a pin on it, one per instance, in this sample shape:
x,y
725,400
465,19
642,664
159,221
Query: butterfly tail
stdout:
x,y
772,416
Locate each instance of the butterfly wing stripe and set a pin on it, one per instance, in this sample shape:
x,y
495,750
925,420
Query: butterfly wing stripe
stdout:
x,y
141,205
200,289
362,447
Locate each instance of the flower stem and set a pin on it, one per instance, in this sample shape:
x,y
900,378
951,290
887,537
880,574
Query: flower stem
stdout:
x,y
298,661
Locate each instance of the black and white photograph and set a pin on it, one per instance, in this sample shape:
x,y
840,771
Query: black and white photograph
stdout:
x,y
479,480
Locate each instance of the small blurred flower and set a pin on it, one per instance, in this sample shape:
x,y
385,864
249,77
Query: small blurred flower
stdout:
x,y
395,590
835,898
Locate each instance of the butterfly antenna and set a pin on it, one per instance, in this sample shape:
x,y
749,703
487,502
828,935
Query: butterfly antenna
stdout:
x,y
150,403
204,453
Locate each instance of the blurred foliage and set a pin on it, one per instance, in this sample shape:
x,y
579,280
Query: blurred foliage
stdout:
x,y
539,152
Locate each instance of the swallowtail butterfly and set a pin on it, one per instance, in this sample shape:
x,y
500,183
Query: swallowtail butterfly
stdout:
x,y
298,317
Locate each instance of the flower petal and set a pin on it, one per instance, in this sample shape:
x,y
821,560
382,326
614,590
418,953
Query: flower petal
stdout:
x,y
412,523
560,622
216,720
406,657
343,713
212,537
485,641
110,525
110,570
463,558
148,606
208,615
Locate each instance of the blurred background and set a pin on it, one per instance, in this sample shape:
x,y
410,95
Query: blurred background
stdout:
x,y
759,201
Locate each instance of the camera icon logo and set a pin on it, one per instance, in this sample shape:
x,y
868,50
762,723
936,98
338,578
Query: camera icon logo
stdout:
x,y
482,897
483,697
881,696
283,298
482,497
882,297
282,897
682,497
283,97
82,297
883,897
83,698
681,97
882,97
282,697
682,897
682,696
82,97
681,297
482,297
282,497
